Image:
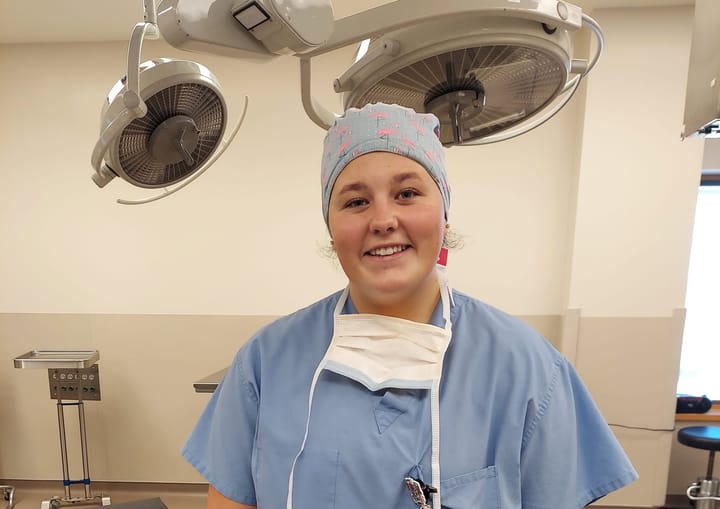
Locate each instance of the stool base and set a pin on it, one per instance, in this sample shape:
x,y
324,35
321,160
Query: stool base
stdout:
x,y
9,495
705,493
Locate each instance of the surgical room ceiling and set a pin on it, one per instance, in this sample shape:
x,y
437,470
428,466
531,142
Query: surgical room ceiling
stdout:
x,y
42,21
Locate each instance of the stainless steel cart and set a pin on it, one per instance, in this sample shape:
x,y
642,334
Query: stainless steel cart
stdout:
x,y
74,378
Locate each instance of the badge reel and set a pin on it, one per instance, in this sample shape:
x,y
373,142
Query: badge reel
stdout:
x,y
419,492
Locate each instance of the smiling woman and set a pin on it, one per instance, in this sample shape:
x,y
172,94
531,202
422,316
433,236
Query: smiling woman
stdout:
x,y
399,389
386,220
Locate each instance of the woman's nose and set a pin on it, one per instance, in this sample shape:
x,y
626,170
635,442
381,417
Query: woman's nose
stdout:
x,y
384,220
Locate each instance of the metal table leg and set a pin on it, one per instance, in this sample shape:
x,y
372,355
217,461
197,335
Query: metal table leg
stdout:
x,y
68,499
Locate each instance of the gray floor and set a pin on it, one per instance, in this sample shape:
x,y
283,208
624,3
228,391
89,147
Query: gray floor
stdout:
x,y
677,502
31,494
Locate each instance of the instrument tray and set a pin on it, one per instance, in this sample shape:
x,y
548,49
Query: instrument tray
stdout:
x,y
57,359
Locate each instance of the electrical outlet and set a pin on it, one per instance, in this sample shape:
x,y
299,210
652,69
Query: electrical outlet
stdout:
x,y
80,384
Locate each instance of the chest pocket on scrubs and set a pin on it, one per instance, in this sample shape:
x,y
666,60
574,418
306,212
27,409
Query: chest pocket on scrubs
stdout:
x,y
474,490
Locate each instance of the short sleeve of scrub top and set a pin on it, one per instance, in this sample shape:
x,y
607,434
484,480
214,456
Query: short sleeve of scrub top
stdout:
x,y
277,363
227,423
592,463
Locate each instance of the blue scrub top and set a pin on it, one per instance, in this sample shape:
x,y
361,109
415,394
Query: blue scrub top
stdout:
x,y
518,427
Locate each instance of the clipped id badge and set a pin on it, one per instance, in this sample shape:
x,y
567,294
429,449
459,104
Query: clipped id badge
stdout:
x,y
419,492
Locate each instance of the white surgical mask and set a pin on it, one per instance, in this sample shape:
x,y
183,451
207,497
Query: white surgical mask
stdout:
x,y
387,352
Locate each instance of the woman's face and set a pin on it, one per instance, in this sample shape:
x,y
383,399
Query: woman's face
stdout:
x,y
387,223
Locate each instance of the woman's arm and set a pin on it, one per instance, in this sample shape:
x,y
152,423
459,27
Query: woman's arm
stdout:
x,y
217,500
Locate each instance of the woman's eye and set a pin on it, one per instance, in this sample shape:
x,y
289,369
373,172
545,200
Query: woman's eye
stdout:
x,y
406,194
357,202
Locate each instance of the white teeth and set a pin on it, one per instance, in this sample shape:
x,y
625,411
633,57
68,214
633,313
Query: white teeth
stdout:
x,y
385,251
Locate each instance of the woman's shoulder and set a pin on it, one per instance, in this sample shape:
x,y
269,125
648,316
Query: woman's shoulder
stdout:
x,y
500,350
307,316
470,308
484,322
303,329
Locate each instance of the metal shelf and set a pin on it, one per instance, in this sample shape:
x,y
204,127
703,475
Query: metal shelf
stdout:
x,y
57,359
210,382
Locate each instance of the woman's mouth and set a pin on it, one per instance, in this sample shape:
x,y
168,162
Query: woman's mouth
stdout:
x,y
387,251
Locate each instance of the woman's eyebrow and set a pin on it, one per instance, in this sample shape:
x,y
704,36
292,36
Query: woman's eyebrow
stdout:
x,y
352,187
401,177
360,186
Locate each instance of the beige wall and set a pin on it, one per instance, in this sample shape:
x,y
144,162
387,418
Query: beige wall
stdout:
x,y
147,367
582,225
636,193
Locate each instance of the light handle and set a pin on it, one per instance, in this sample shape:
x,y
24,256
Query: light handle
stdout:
x,y
135,107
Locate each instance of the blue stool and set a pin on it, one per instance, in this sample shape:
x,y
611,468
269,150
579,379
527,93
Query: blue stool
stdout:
x,y
705,492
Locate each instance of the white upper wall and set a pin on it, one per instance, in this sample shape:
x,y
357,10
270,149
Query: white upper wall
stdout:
x,y
638,179
546,217
246,237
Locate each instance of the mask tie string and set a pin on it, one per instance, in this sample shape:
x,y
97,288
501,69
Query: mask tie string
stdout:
x,y
316,375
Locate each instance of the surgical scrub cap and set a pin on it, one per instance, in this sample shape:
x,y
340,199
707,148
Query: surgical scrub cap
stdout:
x,y
383,128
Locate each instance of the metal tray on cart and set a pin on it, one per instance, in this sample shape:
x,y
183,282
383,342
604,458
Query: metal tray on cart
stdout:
x,y
57,359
